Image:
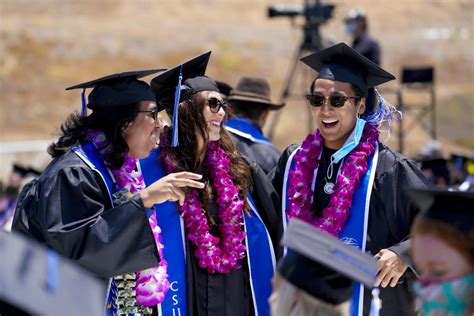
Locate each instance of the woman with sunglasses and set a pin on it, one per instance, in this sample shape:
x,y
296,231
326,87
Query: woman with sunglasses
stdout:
x,y
344,181
91,204
219,244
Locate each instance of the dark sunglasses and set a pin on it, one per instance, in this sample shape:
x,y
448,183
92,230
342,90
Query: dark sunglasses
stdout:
x,y
336,101
154,113
215,105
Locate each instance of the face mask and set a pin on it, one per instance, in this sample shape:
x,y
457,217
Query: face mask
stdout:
x,y
350,28
454,297
351,142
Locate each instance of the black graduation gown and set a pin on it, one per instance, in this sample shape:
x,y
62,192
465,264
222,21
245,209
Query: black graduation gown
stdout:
x,y
68,209
229,294
390,217
265,155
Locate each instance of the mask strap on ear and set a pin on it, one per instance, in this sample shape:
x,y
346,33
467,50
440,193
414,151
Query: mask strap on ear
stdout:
x,y
83,101
177,95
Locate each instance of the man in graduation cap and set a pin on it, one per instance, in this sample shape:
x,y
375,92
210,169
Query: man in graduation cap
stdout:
x,y
344,181
90,204
442,240
249,107
219,244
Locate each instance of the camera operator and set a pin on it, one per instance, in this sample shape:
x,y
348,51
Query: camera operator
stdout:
x,y
362,42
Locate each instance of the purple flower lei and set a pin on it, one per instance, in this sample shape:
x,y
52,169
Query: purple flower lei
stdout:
x,y
215,254
152,284
307,160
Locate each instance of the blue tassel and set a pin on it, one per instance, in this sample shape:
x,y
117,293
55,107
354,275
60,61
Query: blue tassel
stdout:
x,y
386,113
83,100
53,271
376,303
177,95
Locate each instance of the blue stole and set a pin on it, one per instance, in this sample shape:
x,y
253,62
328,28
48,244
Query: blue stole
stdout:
x,y
91,156
355,231
260,254
245,129
172,232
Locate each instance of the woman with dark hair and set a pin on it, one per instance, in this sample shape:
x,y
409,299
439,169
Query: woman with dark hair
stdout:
x,y
220,253
91,204
342,180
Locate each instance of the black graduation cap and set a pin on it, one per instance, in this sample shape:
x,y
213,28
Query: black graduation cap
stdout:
x,y
117,90
342,63
164,85
35,280
179,83
322,265
452,207
21,170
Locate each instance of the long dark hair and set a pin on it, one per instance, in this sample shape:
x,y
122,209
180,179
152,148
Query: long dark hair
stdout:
x,y
73,131
186,157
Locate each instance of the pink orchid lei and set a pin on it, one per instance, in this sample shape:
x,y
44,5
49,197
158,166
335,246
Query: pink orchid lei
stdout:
x,y
215,257
151,284
306,160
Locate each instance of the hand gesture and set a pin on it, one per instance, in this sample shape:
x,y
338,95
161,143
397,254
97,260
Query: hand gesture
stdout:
x,y
390,268
170,188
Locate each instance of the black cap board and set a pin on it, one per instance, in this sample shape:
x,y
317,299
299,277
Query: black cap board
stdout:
x,y
117,90
35,280
25,171
164,85
342,63
322,265
452,207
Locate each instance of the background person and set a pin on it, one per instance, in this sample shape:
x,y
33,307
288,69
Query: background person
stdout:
x,y
249,107
442,240
358,28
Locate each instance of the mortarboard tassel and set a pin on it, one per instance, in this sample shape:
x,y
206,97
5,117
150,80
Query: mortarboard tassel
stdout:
x,y
53,271
376,303
83,101
177,95
386,113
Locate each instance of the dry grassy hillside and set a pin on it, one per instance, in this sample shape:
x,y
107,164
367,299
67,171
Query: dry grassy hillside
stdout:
x,y
46,45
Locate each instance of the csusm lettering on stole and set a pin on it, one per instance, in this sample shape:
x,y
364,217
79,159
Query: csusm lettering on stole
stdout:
x,y
174,297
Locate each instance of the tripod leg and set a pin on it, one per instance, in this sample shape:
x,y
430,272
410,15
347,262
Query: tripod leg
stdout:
x,y
286,91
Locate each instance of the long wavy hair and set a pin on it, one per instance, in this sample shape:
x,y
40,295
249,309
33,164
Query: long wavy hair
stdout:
x,y
186,157
73,131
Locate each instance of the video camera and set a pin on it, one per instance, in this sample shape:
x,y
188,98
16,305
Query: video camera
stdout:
x,y
314,12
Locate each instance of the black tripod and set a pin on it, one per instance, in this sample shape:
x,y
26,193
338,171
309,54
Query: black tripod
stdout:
x,y
315,15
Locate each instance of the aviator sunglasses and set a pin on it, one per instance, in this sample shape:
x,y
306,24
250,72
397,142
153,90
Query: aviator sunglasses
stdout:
x,y
215,105
336,101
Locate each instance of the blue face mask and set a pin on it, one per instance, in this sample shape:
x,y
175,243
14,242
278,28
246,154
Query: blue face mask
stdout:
x,y
448,298
350,28
351,142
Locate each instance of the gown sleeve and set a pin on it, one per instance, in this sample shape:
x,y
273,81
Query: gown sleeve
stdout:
x,y
268,203
70,212
400,175
277,174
